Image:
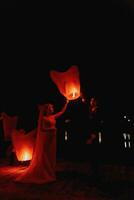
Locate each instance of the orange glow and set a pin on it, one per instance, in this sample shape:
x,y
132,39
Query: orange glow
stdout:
x,y
23,144
72,91
24,154
68,82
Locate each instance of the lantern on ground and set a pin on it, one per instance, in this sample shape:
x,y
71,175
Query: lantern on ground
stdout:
x,y
23,144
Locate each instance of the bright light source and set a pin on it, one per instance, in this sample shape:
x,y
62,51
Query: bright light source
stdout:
x,y
129,145
100,139
125,135
125,116
66,136
125,144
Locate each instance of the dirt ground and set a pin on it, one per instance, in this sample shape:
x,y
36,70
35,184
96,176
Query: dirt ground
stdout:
x,y
73,182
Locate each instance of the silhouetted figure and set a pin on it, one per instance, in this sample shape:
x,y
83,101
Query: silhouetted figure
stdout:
x,y
93,146
77,130
94,157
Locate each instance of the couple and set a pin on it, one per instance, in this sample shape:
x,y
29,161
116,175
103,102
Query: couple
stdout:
x,y
42,167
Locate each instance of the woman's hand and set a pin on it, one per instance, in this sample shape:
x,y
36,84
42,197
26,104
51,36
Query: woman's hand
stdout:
x,y
67,101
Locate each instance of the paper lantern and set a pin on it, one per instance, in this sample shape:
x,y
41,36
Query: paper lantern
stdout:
x,y
68,82
24,154
23,144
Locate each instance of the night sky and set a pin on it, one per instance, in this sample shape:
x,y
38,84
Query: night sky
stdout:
x,y
99,42
8,4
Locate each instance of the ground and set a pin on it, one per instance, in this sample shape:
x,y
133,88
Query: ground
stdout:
x,y
73,182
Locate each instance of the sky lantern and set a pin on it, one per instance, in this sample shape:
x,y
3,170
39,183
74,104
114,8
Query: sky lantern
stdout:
x,y
23,144
25,154
68,82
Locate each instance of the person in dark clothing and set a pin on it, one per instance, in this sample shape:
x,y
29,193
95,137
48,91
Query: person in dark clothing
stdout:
x,y
93,146
94,154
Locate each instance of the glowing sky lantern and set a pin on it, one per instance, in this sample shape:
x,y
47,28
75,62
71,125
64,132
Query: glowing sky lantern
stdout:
x,y
68,82
23,144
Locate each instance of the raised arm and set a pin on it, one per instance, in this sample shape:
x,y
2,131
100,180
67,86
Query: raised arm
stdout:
x,y
62,111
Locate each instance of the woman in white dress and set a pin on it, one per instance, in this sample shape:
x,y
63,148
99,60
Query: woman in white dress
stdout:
x,y
42,166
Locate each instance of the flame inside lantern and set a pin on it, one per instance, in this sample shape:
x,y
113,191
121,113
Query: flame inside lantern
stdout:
x,y
25,154
68,82
72,92
23,144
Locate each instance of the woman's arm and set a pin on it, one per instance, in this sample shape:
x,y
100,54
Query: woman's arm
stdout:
x,y
62,111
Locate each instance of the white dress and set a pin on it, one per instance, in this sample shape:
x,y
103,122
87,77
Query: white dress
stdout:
x,y
42,167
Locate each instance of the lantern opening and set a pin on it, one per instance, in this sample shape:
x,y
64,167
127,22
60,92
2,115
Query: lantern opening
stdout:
x,y
25,155
73,94
72,91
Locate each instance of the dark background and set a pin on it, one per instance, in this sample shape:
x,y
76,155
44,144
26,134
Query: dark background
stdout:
x,y
97,37
8,4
